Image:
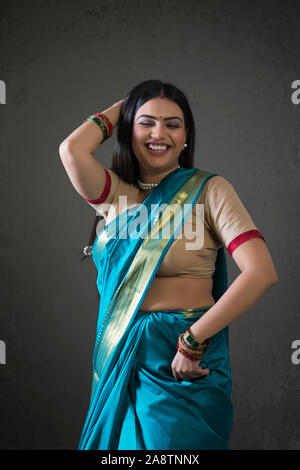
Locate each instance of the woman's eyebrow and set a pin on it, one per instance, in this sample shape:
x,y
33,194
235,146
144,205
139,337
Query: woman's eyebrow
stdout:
x,y
165,119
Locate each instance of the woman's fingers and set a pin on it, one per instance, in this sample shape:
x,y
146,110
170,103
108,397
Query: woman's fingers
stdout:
x,y
184,369
181,376
204,371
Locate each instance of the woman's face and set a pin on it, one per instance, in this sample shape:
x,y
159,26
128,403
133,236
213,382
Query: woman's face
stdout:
x,y
158,122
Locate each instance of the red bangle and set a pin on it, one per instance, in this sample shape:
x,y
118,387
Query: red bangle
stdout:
x,y
105,118
105,191
187,354
243,237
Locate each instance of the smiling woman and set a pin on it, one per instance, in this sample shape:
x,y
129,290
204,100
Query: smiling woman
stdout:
x,y
158,131
164,307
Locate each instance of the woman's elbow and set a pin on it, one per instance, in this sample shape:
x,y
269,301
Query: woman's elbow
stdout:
x,y
276,279
266,278
270,279
273,279
64,149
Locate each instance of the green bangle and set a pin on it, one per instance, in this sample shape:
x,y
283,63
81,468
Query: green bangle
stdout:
x,y
189,339
192,341
101,125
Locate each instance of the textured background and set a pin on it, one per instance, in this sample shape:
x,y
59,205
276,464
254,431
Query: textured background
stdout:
x,y
62,61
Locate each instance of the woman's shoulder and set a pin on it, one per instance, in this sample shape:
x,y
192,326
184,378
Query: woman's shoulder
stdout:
x,y
212,177
219,183
225,213
216,186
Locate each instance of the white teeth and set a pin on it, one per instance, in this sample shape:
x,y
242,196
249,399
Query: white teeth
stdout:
x,y
158,147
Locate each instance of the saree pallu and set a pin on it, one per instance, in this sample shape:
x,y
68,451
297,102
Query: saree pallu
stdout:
x,y
136,403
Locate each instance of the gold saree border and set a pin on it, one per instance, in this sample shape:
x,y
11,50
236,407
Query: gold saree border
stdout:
x,y
131,289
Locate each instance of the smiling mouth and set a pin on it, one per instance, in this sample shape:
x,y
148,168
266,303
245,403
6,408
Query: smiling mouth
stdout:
x,y
157,149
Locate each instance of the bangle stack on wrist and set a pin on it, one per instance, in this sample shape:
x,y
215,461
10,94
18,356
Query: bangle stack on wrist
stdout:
x,y
190,348
104,124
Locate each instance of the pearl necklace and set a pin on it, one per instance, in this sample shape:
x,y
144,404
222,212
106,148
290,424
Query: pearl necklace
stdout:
x,y
145,186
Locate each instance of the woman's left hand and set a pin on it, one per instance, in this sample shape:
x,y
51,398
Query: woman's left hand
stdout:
x,y
184,368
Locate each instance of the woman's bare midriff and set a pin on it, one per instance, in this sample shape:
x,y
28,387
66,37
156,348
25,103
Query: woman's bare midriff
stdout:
x,y
167,293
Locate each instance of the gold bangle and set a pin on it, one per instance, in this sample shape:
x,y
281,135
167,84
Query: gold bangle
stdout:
x,y
191,340
195,353
202,346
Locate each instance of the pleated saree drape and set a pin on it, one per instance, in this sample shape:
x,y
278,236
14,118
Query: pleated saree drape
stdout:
x,y
136,403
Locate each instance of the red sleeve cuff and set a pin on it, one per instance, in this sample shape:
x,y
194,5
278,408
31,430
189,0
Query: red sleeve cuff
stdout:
x,y
105,191
243,237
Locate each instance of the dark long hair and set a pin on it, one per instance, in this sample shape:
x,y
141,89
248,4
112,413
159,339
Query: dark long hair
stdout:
x,y
124,162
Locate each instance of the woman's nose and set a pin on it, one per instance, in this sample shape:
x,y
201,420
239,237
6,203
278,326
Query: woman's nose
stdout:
x,y
158,132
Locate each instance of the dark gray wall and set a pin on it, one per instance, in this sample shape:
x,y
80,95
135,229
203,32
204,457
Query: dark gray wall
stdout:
x,y
61,62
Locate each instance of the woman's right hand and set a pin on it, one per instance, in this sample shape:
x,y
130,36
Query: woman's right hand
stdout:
x,y
113,113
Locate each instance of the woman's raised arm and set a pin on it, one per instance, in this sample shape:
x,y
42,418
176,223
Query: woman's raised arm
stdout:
x,y
76,152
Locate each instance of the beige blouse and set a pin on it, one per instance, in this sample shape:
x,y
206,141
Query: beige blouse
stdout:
x,y
226,223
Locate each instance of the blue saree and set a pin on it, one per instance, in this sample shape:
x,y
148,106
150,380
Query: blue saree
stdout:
x,y
136,403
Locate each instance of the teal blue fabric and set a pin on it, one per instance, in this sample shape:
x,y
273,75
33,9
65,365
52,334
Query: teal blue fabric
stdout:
x,y
137,404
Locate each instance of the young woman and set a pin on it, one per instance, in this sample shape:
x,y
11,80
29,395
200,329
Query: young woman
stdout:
x,y
161,367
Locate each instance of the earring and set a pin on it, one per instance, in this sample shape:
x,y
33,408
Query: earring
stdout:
x,y
185,145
